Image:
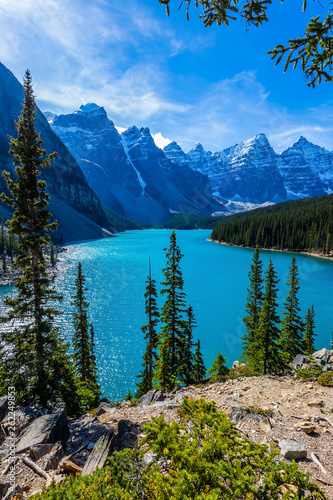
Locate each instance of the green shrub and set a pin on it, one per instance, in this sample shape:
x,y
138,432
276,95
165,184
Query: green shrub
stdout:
x,y
200,457
326,379
242,371
310,372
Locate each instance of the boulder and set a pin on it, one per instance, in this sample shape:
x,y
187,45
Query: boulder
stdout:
x,y
2,433
292,450
328,368
46,429
4,487
24,416
38,451
3,407
330,359
127,436
322,353
237,396
235,364
103,408
298,361
54,457
69,467
151,397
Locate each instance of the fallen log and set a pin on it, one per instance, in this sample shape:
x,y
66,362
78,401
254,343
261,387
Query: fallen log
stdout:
x,y
316,461
100,453
36,468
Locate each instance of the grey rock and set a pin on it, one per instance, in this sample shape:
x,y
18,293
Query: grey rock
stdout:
x,y
103,408
24,416
127,436
53,460
3,407
46,429
237,414
237,396
4,487
235,364
102,450
298,361
177,400
328,368
148,458
322,353
13,493
40,450
292,450
3,452
2,433
151,397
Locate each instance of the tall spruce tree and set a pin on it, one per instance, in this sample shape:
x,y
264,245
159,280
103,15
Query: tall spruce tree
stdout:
x,y
33,357
172,331
151,337
291,338
83,342
199,370
309,335
267,354
190,323
253,307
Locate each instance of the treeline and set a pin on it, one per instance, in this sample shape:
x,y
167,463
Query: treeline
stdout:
x,y
271,343
299,225
191,220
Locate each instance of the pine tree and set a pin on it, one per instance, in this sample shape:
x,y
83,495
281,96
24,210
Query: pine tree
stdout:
x,y
172,312
36,360
186,375
83,342
309,326
151,337
199,370
162,367
291,338
218,369
267,354
2,236
253,307
52,256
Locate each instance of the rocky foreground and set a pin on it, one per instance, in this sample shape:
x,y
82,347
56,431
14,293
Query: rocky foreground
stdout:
x,y
290,415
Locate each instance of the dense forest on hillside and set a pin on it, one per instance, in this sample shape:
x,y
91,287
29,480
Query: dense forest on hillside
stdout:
x,y
298,225
191,220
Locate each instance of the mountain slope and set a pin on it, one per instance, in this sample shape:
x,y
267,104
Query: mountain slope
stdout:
x,y
129,172
65,179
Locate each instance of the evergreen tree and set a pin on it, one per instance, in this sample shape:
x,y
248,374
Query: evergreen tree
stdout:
x,y
188,357
308,340
2,237
129,396
162,367
253,307
4,262
33,357
151,337
171,316
291,338
218,369
83,342
52,256
199,370
267,354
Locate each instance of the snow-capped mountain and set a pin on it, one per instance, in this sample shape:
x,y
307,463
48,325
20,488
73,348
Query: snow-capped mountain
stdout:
x,y
128,171
251,172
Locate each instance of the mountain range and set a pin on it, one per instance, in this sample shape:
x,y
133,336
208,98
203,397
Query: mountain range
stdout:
x,y
251,171
130,174
100,173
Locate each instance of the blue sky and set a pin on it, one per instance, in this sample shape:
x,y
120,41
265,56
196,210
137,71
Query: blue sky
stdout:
x,y
187,83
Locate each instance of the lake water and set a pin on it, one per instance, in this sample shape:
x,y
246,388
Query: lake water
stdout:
x,y
216,281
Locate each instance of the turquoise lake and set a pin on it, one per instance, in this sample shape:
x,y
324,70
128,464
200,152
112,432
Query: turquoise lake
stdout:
x,y
216,281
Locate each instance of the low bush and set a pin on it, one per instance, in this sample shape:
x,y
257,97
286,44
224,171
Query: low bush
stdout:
x,y
200,457
326,379
307,373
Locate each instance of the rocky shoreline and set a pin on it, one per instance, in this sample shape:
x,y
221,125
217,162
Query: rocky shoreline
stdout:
x,y
289,414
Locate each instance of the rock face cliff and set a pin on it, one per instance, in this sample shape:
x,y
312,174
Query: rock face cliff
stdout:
x,y
128,171
252,172
65,179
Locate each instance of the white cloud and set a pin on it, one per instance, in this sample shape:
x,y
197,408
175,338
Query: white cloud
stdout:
x,y
160,141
